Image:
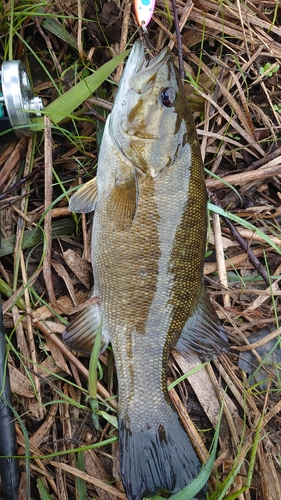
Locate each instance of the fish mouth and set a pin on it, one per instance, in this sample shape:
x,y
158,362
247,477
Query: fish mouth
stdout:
x,y
138,67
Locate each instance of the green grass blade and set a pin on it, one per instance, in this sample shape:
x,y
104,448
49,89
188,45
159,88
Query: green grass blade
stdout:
x,y
66,103
57,29
93,377
186,375
81,490
93,446
34,237
110,418
245,224
93,371
236,494
44,495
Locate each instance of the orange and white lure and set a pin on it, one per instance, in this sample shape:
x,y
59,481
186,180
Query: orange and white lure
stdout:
x,y
144,10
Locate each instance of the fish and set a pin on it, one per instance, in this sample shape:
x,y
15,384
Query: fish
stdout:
x,y
148,244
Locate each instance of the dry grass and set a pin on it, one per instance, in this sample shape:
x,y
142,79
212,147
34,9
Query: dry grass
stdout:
x,y
44,280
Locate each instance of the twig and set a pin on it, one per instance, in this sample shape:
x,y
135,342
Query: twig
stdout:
x,y
243,244
259,343
262,161
179,39
124,36
49,45
93,112
220,258
257,303
79,33
30,176
48,217
239,261
92,480
250,235
30,337
12,160
183,19
104,394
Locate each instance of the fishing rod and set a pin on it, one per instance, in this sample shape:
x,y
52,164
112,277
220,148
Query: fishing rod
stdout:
x,y
9,466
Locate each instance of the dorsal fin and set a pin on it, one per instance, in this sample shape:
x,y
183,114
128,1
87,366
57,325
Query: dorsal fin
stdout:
x,y
203,334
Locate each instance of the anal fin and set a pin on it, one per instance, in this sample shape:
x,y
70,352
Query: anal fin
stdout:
x,y
203,334
81,332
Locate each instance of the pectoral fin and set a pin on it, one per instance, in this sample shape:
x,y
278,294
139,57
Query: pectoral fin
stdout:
x,y
203,334
81,332
83,200
123,201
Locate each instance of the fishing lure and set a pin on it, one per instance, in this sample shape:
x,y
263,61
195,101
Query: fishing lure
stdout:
x,y
144,10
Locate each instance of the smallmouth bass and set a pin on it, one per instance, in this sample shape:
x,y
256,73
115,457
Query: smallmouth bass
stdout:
x,y
148,245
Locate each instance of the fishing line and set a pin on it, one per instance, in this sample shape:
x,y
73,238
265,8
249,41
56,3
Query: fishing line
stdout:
x,y
144,10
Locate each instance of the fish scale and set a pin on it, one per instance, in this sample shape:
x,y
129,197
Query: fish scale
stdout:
x,y
148,244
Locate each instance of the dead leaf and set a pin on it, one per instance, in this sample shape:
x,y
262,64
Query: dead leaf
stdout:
x,y
20,384
57,356
80,268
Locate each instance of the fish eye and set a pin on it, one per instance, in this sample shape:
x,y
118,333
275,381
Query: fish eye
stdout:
x,y
168,96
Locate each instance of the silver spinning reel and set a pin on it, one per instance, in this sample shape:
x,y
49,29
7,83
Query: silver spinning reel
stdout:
x,y
18,105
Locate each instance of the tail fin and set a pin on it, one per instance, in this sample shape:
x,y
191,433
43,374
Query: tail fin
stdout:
x,y
157,458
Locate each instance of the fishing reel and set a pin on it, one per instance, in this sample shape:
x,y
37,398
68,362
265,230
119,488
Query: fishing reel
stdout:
x,y
17,103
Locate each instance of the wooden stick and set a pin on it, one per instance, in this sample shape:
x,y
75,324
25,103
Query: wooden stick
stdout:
x,y
220,258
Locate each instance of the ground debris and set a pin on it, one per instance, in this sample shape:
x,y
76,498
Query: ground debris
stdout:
x,y
231,58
